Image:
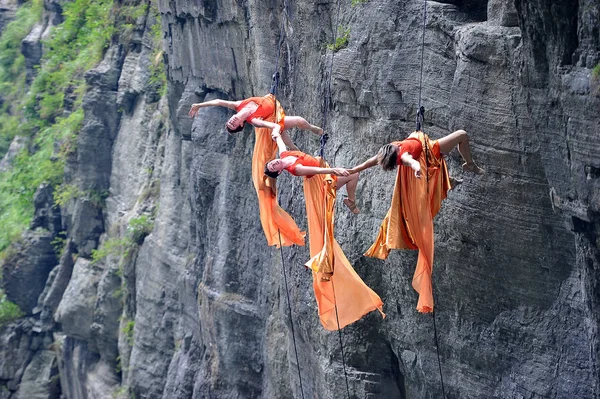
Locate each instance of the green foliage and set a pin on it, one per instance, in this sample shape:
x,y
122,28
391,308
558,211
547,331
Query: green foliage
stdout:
x,y
596,72
118,368
39,111
66,193
30,169
128,331
133,13
341,41
158,77
12,70
8,310
112,246
139,228
357,2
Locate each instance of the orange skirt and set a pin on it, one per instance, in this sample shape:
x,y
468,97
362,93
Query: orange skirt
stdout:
x,y
409,221
273,218
334,279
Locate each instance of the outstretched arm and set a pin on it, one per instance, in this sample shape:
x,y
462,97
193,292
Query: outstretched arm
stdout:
x,y
365,165
302,170
280,143
213,103
408,160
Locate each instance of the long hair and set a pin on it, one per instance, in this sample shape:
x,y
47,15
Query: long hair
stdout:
x,y
237,129
274,175
387,156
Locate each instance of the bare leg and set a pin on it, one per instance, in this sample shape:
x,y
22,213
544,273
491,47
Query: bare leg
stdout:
x,y
288,141
459,138
350,182
301,123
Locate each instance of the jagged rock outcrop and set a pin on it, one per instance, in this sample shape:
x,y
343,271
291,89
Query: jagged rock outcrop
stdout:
x,y
26,268
189,302
7,12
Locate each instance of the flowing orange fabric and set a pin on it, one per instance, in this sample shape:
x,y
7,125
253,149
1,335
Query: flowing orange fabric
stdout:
x,y
330,267
274,220
266,108
409,221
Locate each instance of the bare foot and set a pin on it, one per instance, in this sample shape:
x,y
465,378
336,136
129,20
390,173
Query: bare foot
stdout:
x,y
351,206
454,182
471,167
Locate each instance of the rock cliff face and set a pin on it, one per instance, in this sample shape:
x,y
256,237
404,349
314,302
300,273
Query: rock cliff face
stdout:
x,y
184,298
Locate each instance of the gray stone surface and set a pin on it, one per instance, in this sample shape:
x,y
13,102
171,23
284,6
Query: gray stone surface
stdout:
x,y
40,379
16,145
26,268
7,12
75,311
199,308
31,47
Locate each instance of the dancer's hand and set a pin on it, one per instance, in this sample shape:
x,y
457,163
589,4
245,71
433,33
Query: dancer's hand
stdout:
x,y
194,110
340,172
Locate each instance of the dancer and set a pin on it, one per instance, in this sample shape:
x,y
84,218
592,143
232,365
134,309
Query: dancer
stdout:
x,y
416,200
342,296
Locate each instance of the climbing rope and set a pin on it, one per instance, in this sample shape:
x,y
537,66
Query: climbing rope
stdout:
x,y
290,313
437,347
420,108
273,91
323,142
420,119
325,136
337,319
279,44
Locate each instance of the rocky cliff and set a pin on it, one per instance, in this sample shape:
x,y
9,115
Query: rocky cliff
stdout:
x,y
165,287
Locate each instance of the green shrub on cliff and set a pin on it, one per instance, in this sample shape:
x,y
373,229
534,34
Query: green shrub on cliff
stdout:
x,y
8,310
341,41
49,111
12,69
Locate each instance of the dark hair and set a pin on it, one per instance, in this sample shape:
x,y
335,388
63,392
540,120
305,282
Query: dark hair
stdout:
x,y
271,174
237,129
387,156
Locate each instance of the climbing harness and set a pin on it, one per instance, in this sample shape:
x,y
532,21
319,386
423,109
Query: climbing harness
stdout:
x,y
420,119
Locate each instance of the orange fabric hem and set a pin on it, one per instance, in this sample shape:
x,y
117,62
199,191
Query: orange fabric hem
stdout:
x,y
345,288
409,221
275,221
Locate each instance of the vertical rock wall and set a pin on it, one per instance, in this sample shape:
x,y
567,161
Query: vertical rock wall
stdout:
x,y
510,259
194,305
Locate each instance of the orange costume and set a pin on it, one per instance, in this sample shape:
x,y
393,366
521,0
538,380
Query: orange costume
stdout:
x,y
265,110
409,221
330,267
274,220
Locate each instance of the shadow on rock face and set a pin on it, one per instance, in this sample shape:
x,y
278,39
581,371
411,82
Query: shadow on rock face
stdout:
x,y
476,9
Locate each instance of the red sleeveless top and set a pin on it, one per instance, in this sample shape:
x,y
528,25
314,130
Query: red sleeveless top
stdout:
x,y
411,145
301,159
266,107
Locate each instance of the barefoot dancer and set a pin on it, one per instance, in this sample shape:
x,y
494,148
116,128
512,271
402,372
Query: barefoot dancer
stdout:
x,y
330,267
409,221
256,111
267,116
301,164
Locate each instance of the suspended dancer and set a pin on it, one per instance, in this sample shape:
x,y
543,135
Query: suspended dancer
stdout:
x,y
267,116
330,267
408,223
